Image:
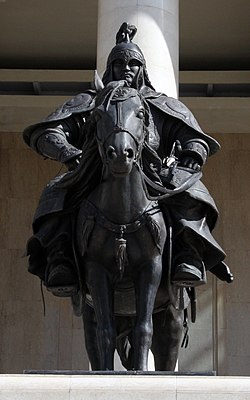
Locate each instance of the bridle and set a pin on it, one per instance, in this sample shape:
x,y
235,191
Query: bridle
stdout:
x,y
120,128
162,192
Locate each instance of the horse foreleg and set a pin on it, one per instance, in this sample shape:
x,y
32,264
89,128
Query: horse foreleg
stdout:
x,y
146,287
101,292
90,333
168,327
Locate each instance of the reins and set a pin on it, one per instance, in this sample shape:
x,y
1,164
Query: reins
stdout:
x,y
163,191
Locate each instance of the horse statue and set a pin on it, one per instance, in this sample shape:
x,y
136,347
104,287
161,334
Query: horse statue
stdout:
x,y
121,243
127,231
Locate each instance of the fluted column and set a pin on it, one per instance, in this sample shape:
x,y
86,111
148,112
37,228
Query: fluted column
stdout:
x,y
157,36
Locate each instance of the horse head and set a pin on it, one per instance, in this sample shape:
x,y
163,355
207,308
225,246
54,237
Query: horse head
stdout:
x,y
121,118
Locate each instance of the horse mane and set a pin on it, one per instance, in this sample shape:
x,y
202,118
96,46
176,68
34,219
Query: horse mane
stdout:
x,y
114,91
82,181
105,95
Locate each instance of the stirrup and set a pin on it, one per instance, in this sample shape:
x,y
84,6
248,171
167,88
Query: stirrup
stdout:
x,y
187,275
63,291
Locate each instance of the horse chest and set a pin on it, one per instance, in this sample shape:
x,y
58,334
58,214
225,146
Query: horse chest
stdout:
x,y
104,247
124,248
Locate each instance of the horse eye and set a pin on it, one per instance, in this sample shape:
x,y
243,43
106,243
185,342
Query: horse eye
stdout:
x,y
141,113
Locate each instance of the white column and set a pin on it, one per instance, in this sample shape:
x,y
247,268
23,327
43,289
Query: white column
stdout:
x,y
157,22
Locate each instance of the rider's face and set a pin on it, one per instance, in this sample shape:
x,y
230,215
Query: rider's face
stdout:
x,y
126,70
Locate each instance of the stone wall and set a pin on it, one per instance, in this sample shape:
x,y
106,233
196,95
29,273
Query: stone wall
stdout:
x,y
30,340
219,339
228,178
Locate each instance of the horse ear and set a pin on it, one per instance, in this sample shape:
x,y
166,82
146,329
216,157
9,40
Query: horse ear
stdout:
x,y
98,84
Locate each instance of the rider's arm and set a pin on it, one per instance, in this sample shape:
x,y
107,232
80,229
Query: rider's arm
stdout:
x,y
192,150
60,136
59,140
194,153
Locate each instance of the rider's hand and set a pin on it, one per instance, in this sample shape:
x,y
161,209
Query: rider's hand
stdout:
x,y
73,163
189,162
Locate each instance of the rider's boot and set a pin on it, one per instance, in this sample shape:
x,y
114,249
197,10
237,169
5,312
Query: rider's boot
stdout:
x,y
189,275
222,271
60,277
188,267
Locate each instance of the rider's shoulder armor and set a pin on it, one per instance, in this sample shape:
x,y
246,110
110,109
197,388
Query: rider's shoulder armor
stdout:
x,y
82,103
177,109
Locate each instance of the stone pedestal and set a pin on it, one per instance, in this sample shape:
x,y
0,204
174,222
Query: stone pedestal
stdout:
x,y
123,387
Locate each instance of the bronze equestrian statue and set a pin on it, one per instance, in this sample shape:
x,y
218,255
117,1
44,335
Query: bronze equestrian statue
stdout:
x,y
128,227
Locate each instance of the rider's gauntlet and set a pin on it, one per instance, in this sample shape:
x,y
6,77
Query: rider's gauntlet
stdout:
x,y
54,145
197,149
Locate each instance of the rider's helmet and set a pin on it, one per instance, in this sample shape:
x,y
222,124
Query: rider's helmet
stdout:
x,y
126,50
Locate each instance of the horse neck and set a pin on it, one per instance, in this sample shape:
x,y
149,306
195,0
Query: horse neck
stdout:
x,y
121,199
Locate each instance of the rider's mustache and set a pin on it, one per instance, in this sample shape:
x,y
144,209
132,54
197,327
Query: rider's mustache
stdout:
x,y
128,73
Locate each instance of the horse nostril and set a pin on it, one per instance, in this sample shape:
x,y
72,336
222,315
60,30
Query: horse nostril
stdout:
x,y
129,153
111,153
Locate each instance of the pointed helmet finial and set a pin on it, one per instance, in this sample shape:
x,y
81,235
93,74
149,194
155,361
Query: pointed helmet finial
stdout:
x,y
126,33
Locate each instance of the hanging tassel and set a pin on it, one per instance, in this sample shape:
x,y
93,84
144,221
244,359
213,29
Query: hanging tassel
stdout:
x,y
121,253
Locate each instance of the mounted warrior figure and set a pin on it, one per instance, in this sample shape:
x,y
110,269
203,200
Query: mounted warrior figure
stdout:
x,y
177,149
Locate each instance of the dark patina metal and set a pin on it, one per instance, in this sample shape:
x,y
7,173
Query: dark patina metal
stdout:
x,y
127,231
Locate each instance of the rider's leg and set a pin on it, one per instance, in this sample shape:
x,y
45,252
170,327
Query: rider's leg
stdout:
x,y
188,265
51,255
60,271
194,248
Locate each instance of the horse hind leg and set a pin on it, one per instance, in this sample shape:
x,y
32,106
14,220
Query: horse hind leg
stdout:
x,y
90,333
168,328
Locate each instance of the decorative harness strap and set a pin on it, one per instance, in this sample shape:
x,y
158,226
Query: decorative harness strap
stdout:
x,y
92,212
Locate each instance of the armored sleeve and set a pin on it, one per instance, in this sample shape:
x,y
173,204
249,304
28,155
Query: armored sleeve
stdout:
x,y
192,143
59,140
195,148
60,136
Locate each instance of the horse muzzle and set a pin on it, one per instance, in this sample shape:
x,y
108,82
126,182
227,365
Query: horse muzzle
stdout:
x,y
120,159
